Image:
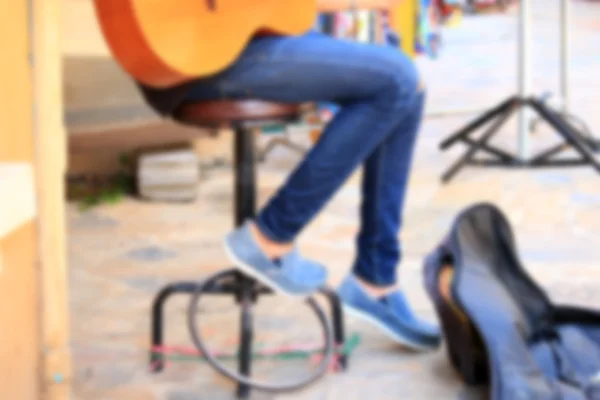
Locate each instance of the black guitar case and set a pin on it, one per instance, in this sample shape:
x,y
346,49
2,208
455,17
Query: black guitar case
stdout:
x,y
501,328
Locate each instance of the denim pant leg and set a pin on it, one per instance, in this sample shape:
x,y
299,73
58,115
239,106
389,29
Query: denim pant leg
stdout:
x,y
385,180
375,87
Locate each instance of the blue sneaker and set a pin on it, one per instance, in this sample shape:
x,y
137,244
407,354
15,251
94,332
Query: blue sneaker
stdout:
x,y
292,274
391,314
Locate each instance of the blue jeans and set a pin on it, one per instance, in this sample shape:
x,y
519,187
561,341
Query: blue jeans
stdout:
x,y
377,90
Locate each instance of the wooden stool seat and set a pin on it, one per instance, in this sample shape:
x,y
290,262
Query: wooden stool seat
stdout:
x,y
231,112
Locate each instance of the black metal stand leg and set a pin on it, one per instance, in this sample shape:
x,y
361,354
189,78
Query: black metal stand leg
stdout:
x,y
479,122
245,208
566,131
545,156
339,335
245,175
157,357
503,156
573,139
467,157
246,333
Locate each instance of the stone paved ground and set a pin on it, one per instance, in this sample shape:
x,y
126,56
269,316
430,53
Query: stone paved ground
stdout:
x,y
121,254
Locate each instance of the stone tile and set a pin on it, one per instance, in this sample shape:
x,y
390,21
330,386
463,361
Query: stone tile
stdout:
x,y
90,220
151,254
125,393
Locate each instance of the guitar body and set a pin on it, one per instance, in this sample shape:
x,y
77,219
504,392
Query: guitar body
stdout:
x,y
163,43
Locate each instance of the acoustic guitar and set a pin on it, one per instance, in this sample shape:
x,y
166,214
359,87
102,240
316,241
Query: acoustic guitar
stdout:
x,y
163,43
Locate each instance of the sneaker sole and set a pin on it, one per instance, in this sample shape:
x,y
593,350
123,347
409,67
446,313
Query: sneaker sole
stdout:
x,y
387,331
251,272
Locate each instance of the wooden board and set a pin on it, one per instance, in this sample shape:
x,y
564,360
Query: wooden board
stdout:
x,y
19,322
50,166
19,317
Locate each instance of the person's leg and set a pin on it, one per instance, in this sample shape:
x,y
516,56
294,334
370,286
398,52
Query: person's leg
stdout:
x,y
375,87
371,292
385,181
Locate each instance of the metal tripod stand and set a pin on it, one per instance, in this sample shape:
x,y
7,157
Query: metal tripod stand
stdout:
x,y
497,117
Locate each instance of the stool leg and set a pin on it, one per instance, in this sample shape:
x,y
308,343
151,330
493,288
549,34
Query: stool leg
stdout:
x,y
245,207
339,336
246,335
157,355
245,175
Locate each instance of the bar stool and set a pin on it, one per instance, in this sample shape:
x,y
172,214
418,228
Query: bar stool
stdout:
x,y
243,117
